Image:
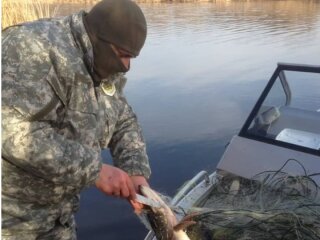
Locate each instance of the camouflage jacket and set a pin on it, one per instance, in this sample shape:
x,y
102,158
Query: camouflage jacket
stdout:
x,y
55,121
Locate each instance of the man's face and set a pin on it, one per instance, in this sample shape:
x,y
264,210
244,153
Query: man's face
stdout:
x,y
124,56
121,23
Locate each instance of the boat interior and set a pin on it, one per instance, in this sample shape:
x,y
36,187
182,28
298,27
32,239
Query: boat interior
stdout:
x,y
282,133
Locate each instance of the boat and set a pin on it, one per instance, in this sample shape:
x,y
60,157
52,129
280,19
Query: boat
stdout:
x,y
283,126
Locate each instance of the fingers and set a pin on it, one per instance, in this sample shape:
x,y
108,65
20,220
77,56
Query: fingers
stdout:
x,y
125,191
137,181
116,193
115,182
126,187
131,188
121,187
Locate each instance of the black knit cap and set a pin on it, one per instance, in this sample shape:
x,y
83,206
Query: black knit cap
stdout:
x,y
120,22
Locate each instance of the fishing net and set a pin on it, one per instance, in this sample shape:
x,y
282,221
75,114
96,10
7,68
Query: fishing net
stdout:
x,y
272,205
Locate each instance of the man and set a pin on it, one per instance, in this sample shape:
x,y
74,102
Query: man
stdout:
x,y
62,102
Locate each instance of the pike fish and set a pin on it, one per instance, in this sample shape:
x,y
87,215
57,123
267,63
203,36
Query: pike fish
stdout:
x,y
162,220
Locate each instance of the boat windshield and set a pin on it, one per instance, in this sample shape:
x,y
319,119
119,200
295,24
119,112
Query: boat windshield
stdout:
x,y
288,111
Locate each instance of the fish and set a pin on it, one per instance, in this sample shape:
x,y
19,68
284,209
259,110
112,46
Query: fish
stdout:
x,y
162,220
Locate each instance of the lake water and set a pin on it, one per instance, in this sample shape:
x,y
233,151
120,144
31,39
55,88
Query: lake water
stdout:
x,y
201,70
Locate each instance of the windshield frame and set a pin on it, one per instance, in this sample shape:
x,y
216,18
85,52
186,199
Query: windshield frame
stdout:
x,y
279,70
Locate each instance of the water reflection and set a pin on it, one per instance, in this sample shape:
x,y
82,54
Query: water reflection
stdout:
x,y
232,19
198,76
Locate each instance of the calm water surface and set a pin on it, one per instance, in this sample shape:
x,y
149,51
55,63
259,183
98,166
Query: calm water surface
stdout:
x,y
201,70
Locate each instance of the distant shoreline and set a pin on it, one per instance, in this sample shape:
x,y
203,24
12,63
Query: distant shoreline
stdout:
x,y
138,1
89,2
17,11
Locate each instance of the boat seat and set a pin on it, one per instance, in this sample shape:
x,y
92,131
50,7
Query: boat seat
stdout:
x,y
295,118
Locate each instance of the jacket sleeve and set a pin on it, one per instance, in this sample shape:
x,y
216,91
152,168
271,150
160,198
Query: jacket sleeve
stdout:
x,y
127,144
38,149
36,146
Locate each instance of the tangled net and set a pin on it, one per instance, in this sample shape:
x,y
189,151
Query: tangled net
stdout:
x,y
272,205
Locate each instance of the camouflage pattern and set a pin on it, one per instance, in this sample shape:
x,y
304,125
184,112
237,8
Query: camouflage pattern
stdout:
x,y
55,121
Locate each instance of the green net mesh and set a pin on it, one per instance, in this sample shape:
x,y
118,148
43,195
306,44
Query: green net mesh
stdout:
x,y
272,205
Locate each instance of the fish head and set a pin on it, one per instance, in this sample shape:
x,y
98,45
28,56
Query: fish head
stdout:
x,y
161,219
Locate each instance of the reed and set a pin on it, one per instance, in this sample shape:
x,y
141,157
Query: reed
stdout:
x,y
15,12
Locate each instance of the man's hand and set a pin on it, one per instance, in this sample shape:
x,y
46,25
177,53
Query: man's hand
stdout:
x,y
137,181
114,181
